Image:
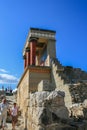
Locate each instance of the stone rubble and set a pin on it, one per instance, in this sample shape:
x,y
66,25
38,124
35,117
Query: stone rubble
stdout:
x,y
47,111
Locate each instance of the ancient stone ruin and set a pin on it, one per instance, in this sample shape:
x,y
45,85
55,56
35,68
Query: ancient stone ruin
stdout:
x,y
50,96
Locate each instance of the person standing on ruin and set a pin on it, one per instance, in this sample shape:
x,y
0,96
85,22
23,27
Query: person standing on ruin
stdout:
x,y
4,107
14,114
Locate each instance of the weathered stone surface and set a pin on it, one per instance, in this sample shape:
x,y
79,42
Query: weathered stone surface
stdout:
x,y
85,103
46,107
77,111
79,125
43,85
60,127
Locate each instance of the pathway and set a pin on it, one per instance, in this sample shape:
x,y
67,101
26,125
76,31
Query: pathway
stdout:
x,y
11,100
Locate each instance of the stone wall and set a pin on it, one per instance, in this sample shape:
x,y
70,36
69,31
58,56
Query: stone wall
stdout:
x,y
78,92
36,75
29,84
75,75
23,92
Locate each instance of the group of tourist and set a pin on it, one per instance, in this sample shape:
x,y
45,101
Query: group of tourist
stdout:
x,y
13,112
7,90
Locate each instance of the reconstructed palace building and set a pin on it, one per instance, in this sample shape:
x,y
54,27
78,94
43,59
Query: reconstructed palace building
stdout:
x,y
43,90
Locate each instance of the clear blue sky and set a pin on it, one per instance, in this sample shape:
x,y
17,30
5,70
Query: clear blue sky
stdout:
x,y
67,17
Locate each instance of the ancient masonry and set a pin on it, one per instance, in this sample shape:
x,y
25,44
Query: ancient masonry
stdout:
x,y
44,94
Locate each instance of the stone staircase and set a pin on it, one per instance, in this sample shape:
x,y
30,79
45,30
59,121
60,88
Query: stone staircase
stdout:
x,y
60,70
75,92
59,79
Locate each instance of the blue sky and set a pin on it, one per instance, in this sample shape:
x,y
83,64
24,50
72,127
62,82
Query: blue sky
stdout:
x,y
67,17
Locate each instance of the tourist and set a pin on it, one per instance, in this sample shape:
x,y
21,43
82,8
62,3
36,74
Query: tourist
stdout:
x,y
4,107
5,89
14,113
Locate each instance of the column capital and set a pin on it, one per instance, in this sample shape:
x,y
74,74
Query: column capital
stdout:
x,y
24,57
33,39
27,49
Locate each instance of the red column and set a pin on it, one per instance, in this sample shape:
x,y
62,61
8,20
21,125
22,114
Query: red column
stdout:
x,y
27,56
32,51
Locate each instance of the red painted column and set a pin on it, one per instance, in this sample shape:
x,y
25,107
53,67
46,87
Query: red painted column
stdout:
x,y
27,56
32,51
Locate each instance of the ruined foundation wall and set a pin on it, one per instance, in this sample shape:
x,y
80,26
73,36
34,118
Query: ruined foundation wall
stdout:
x,y
46,108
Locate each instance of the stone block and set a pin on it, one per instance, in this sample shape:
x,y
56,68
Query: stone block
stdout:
x,y
44,86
